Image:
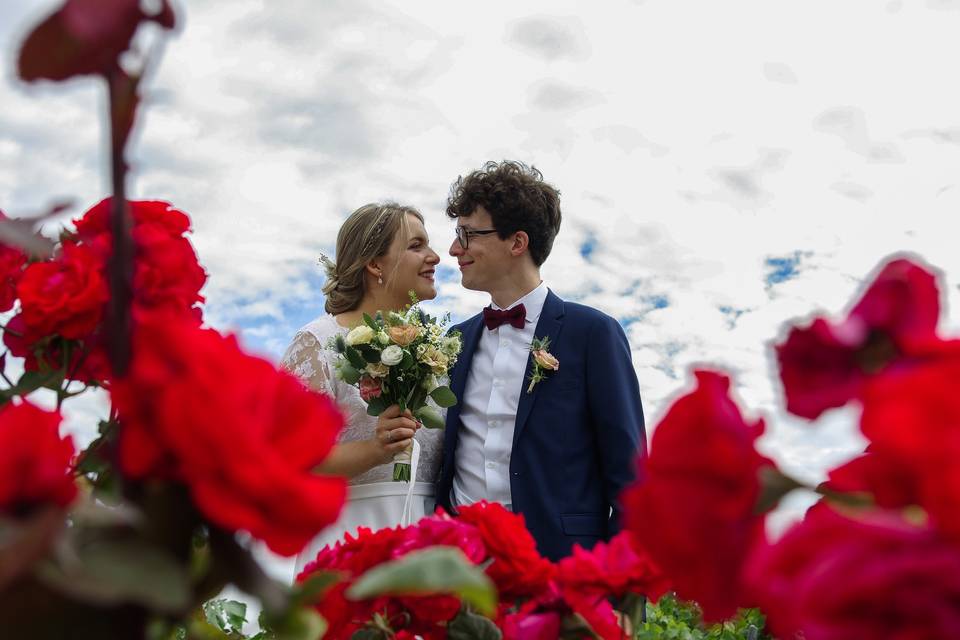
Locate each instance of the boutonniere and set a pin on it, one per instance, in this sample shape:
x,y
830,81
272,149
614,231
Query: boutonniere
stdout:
x,y
543,361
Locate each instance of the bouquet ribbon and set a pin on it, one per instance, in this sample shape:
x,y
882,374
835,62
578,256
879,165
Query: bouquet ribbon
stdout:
x,y
407,514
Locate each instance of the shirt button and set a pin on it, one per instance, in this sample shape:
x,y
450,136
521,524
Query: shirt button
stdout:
x,y
491,465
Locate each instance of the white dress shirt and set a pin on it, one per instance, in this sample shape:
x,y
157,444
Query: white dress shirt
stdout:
x,y
489,410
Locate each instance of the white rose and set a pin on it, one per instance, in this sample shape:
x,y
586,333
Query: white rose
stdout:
x,y
391,355
382,337
360,335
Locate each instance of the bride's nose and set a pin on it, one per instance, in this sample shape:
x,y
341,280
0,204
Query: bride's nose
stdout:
x,y
433,257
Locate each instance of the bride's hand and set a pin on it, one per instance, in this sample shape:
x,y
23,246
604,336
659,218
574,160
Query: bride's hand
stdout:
x,y
393,433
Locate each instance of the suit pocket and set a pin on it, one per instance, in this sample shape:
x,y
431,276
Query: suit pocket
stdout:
x,y
584,524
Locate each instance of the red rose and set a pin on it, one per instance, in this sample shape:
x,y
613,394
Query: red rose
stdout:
x,y
693,507
167,275
912,419
12,261
531,626
539,615
65,296
241,435
833,577
611,569
517,569
35,462
353,556
88,37
87,363
889,482
370,388
443,530
825,365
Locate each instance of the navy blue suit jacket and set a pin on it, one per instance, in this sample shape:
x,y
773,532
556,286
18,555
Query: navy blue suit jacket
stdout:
x,y
577,433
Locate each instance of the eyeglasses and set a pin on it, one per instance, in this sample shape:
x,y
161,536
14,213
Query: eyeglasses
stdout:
x,y
464,234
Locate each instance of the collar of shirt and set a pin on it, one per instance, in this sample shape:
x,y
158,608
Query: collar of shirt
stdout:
x,y
532,302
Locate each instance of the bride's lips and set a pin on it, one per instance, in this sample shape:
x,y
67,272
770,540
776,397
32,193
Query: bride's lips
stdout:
x,y
427,274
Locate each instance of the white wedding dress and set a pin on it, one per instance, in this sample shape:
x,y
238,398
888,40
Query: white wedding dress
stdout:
x,y
374,499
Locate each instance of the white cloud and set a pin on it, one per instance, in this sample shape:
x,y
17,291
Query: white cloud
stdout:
x,y
692,142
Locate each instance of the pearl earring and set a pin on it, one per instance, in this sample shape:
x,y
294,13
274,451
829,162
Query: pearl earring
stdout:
x,y
379,278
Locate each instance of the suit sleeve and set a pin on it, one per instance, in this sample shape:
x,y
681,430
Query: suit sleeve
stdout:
x,y
613,394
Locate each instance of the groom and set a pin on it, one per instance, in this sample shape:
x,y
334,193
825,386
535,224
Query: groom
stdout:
x,y
560,452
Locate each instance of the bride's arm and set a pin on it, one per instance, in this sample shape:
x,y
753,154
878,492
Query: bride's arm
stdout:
x,y
305,359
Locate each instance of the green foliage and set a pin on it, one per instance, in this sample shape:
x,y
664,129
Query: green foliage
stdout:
x,y
471,626
671,619
443,396
228,616
434,570
429,417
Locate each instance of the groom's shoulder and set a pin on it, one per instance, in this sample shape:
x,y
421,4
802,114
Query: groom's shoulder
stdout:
x,y
460,326
587,315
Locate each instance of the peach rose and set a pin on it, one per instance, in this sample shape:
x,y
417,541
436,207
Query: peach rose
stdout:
x,y
546,360
403,334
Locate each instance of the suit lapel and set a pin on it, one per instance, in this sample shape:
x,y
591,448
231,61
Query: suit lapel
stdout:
x,y
549,326
470,338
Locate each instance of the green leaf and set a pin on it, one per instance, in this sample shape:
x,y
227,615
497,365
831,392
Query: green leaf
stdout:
x,y
376,406
228,616
469,626
434,570
349,373
125,570
312,588
407,361
367,320
301,624
430,418
369,353
444,397
354,358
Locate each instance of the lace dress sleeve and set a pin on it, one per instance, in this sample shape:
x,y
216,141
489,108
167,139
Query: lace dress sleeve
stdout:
x,y
306,359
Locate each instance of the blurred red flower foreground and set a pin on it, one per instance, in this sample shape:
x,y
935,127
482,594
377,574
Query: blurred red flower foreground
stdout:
x,y
879,557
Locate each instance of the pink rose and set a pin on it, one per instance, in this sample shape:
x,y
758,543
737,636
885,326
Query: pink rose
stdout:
x,y
370,388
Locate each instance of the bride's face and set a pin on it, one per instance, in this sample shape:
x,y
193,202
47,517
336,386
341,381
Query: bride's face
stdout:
x,y
410,263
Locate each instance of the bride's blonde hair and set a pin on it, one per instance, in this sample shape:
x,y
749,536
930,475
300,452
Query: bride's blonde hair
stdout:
x,y
366,234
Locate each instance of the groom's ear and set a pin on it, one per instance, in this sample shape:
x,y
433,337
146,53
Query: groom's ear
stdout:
x,y
521,243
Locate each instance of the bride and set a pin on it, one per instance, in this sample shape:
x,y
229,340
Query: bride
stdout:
x,y
383,253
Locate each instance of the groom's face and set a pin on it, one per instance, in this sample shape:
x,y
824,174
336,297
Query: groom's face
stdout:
x,y
486,260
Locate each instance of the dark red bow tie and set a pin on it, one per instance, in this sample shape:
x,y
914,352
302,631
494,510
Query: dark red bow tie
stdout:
x,y
515,317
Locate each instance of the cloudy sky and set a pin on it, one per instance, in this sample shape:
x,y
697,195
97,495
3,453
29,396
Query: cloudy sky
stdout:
x,y
724,167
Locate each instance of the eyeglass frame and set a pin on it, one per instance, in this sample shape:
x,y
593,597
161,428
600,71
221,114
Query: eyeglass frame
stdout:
x,y
465,233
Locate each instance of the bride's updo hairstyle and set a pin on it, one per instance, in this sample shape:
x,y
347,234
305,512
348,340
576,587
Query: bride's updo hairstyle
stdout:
x,y
366,234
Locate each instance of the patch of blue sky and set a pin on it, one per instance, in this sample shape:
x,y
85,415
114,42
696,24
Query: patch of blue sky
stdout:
x,y
588,246
270,333
783,268
731,314
657,301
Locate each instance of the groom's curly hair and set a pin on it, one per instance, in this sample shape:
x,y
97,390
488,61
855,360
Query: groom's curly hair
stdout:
x,y
517,199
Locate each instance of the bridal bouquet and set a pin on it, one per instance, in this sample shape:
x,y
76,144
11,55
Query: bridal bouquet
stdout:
x,y
400,358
